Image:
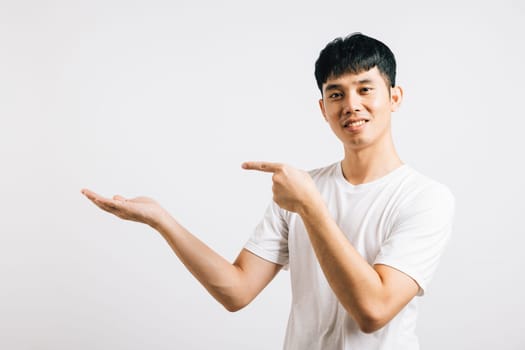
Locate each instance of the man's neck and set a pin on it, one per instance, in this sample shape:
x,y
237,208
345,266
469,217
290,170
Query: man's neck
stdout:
x,y
370,163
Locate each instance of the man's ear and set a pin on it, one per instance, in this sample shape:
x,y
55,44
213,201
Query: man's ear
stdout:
x,y
323,111
396,97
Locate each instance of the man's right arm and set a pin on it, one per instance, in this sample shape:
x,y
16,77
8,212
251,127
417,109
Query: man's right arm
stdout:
x,y
233,285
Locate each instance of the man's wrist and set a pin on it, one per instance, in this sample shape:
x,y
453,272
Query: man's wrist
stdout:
x,y
313,209
160,221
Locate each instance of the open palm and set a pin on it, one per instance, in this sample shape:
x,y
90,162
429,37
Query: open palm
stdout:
x,y
140,209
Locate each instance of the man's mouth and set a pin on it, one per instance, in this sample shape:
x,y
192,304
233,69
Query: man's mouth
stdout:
x,y
354,123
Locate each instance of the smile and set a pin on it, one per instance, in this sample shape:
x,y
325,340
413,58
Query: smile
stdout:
x,y
357,123
354,125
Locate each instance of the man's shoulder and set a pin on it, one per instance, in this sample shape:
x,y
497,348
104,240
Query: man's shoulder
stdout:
x,y
425,183
324,171
418,188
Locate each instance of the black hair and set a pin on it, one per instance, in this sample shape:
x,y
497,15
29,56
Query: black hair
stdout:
x,y
355,54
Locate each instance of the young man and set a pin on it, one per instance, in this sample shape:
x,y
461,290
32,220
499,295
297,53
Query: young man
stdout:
x,y
361,237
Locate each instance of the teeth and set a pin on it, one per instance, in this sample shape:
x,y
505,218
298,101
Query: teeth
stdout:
x,y
358,123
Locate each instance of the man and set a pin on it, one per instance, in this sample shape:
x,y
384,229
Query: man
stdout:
x,y
361,237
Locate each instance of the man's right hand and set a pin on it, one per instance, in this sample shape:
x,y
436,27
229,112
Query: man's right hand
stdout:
x,y
140,209
233,285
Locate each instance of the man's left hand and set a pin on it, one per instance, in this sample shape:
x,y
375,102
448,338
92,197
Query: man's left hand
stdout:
x,y
293,189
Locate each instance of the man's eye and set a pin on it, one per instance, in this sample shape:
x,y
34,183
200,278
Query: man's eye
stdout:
x,y
335,95
366,90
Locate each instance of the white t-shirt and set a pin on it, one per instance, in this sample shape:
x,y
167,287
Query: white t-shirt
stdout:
x,y
402,219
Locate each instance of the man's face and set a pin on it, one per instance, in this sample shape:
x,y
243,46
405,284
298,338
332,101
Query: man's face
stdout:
x,y
358,107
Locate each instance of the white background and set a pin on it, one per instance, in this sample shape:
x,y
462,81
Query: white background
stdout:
x,y
168,98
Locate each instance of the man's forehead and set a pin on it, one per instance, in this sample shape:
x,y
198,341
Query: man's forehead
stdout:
x,y
371,75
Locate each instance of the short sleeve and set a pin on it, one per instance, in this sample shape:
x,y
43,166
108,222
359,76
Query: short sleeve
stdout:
x,y
270,237
419,234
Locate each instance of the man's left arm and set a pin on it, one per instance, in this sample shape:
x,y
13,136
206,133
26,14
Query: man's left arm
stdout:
x,y
372,295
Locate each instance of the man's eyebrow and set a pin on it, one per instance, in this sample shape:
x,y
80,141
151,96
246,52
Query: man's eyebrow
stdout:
x,y
332,87
339,86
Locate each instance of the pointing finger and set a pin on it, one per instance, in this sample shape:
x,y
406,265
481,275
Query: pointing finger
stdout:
x,y
267,167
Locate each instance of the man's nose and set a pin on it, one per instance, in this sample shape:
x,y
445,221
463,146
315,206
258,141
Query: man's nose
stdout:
x,y
352,104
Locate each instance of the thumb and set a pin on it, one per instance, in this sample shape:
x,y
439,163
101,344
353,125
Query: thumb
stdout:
x,y
119,198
